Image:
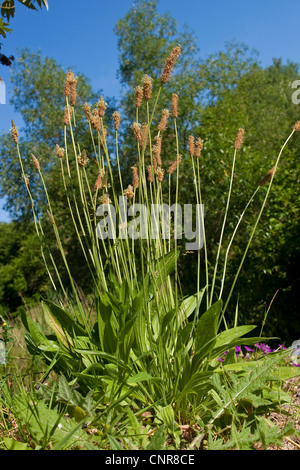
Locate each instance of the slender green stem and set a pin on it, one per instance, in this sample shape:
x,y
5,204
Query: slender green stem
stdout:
x,y
254,228
223,228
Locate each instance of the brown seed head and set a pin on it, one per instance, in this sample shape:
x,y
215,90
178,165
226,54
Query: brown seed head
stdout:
x,y
67,84
101,106
174,105
192,145
95,120
87,111
135,177
150,174
129,193
169,64
239,139
105,199
138,96
67,115
82,158
98,182
117,118
103,136
36,162
157,151
159,174
267,178
73,93
198,147
164,120
144,131
14,133
25,179
59,151
147,89
136,127
297,126
173,166
70,88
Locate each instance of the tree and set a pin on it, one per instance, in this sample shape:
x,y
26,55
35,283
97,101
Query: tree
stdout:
x,y
38,95
23,276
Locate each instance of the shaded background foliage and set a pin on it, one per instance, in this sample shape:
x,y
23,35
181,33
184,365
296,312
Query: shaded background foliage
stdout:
x,y
217,96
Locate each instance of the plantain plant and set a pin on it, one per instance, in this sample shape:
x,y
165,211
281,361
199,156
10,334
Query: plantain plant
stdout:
x,y
140,345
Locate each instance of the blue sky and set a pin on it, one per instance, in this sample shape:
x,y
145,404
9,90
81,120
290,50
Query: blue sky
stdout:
x,y
79,34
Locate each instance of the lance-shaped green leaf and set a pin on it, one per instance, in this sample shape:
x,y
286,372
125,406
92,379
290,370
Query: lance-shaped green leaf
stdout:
x,y
206,333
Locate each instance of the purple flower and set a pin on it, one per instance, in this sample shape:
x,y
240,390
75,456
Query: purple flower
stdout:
x,y
248,349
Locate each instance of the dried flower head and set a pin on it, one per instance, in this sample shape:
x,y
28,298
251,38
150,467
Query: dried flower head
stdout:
x,y
150,174
59,151
135,177
101,106
157,151
129,193
70,88
67,115
144,132
164,120
67,84
136,127
198,147
87,111
297,126
159,174
268,177
239,139
147,88
36,162
95,120
103,136
191,143
117,118
82,158
50,217
25,178
14,132
104,199
174,105
138,96
169,64
98,182
173,166
73,93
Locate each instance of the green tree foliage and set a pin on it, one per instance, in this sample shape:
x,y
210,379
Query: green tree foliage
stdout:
x,y
38,96
260,102
22,275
